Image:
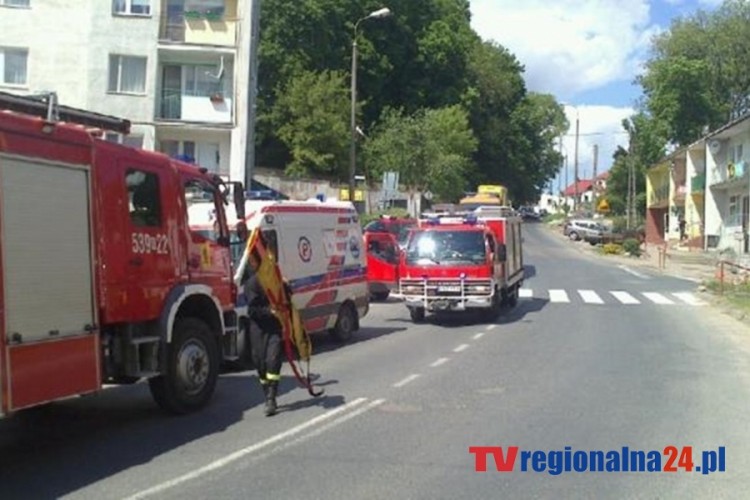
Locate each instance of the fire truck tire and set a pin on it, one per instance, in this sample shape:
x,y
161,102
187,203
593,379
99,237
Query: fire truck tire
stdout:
x,y
346,323
381,296
417,314
192,370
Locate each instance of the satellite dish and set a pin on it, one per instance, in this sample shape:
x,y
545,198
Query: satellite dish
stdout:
x,y
714,146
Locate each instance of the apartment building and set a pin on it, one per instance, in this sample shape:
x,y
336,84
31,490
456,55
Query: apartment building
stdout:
x,y
179,70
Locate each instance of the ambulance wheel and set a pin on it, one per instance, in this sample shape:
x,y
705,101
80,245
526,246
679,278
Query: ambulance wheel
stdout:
x,y
192,370
513,297
346,323
417,314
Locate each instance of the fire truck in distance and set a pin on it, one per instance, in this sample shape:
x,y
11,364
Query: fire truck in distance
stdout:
x,y
462,263
101,278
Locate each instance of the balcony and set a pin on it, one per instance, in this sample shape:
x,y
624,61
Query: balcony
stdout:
x,y
185,24
176,105
698,184
730,174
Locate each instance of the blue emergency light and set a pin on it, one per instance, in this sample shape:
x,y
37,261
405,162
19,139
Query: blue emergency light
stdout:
x,y
433,221
470,219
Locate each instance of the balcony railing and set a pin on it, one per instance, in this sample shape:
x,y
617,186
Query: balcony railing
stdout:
x,y
199,28
176,104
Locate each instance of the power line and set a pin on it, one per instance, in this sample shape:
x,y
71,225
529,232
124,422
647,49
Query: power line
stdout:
x,y
595,133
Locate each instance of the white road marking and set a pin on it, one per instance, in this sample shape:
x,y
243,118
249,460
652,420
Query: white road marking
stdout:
x,y
439,362
460,348
634,272
590,297
232,457
491,327
525,293
657,298
477,336
317,432
625,297
689,298
558,296
405,381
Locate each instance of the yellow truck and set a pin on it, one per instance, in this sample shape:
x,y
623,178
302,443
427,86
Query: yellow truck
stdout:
x,y
486,195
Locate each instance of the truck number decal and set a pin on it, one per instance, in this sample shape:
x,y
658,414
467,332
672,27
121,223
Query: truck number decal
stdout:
x,y
146,243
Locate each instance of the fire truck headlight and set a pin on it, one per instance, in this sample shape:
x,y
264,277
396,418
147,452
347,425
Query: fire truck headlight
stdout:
x,y
479,289
411,288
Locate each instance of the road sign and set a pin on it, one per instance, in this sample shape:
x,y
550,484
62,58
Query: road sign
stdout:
x,y
603,205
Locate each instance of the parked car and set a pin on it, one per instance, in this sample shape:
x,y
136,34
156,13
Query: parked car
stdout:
x,y
579,229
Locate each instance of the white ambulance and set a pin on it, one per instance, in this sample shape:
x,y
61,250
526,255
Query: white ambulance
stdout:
x,y
319,246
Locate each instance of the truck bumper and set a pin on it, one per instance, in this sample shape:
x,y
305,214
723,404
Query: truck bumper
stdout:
x,y
449,303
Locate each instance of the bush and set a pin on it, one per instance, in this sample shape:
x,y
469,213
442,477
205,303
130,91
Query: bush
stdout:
x,y
612,249
632,246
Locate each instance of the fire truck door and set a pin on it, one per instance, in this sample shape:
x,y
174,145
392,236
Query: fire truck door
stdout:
x,y
208,256
382,260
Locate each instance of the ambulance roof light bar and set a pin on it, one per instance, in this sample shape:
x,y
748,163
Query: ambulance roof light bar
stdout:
x,y
46,106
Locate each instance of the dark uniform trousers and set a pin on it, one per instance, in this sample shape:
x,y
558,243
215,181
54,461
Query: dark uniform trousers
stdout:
x,y
265,340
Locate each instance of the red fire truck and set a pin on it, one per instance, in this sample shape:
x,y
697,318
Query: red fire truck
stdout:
x,y
101,279
462,263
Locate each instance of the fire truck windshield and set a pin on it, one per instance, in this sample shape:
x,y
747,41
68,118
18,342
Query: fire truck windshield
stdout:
x,y
441,247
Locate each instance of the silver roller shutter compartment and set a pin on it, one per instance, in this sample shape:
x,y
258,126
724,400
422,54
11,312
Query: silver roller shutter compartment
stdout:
x,y
45,249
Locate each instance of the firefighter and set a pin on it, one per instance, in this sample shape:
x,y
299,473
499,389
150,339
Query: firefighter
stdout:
x,y
265,340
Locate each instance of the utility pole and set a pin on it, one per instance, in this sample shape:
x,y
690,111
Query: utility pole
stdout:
x,y
596,159
575,168
252,90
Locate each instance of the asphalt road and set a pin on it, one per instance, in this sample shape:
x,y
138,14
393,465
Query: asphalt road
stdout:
x,y
595,357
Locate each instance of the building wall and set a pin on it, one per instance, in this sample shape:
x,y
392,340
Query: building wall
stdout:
x,y
69,43
695,200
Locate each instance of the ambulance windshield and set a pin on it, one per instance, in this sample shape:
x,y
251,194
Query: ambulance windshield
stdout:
x,y
442,247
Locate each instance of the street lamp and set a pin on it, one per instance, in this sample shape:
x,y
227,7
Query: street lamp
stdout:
x,y
378,14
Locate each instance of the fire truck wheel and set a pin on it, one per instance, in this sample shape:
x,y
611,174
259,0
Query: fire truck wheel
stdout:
x,y
417,314
346,323
192,371
380,296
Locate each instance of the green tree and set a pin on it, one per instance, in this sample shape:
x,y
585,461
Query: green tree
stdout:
x,y
312,114
431,149
698,74
647,140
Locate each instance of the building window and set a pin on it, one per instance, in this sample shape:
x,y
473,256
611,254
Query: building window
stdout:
x,y
203,81
127,74
132,7
15,3
13,66
132,140
143,193
211,9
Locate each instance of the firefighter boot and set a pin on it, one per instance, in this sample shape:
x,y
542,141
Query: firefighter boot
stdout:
x,y
271,399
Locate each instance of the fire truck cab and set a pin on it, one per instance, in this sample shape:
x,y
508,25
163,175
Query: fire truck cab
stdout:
x,y
101,279
462,263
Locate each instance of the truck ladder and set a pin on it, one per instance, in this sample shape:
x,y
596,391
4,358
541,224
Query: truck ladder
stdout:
x,y
46,106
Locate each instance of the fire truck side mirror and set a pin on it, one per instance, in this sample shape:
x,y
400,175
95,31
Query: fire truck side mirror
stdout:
x,y
238,195
502,252
242,231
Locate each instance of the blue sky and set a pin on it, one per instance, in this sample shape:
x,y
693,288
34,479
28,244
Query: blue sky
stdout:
x,y
587,53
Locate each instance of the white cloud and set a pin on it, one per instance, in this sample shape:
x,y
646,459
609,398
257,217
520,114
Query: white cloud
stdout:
x,y
569,46
598,125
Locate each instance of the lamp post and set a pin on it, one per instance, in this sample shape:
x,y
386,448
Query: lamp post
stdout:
x,y
378,14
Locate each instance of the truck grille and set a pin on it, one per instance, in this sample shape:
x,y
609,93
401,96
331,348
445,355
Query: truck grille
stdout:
x,y
447,288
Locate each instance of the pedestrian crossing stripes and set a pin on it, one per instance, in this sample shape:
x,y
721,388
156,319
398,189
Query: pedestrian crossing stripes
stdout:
x,y
613,297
